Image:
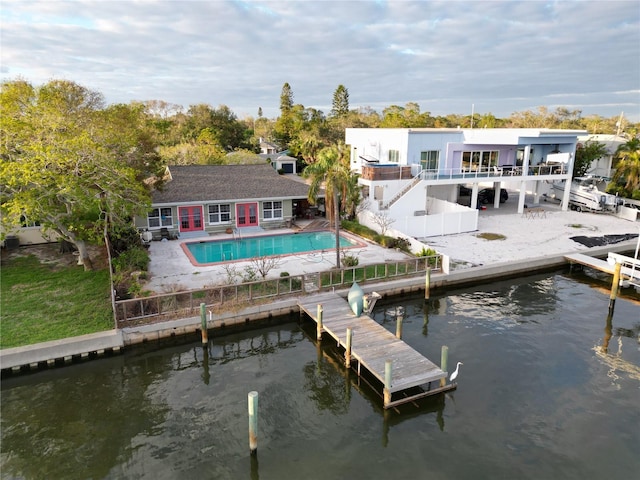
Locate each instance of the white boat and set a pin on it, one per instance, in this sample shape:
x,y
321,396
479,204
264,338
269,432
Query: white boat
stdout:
x,y
586,196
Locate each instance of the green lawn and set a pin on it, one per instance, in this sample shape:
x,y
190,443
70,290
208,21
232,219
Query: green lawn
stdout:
x,y
41,302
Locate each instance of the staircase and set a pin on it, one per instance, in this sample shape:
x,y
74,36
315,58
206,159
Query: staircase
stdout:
x,y
416,180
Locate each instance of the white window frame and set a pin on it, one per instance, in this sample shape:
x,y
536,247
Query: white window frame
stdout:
x,y
272,210
430,159
394,156
158,218
217,210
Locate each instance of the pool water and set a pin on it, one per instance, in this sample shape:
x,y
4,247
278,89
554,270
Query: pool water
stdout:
x,y
285,244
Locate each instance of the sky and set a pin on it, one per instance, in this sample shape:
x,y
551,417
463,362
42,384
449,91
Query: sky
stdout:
x,y
449,57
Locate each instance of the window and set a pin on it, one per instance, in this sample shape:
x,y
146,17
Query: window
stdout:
x,y
394,156
271,210
160,217
429,159
26,223
220,213
479,161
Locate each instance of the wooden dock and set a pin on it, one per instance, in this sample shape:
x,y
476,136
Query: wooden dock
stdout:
x,y
372,346
629,271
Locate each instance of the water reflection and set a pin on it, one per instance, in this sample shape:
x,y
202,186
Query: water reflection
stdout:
x,y
529,397
614,360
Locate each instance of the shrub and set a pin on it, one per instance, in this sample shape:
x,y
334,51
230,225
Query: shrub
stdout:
x,y
123,238
349,260
426,252
360,230
403,244
130,260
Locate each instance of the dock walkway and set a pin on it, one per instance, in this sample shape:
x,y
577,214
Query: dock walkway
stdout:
x,y
372,345
630,267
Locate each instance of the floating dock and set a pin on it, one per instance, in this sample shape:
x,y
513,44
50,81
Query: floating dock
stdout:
x,y
372,347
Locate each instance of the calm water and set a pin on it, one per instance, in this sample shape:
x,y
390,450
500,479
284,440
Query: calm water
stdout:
x,y
537,398
252,247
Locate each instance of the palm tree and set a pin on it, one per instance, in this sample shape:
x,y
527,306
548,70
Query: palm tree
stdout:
x,y
332,171
627,172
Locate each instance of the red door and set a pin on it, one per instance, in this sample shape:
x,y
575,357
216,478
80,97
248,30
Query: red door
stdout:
x,y
190,219
247,214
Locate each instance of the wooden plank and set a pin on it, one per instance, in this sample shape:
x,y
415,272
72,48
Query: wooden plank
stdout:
x,y
602,265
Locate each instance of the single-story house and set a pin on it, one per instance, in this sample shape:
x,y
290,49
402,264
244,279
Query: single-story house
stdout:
x,y
413,175
202,199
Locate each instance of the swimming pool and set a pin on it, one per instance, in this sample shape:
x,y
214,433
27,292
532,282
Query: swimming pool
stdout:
x,y
214,251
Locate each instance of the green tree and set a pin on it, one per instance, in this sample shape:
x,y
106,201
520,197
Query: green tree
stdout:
x,y
408,116
340,102
586,154
626,178
286,99
69,163
331,171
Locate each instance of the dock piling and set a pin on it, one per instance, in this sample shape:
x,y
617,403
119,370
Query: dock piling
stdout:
x,y
347,353
253,422
387,382
399,320
319,323
615,284
444,359
203,321
427,285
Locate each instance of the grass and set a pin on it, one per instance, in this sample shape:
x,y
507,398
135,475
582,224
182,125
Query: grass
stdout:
x,y
491,236
41,302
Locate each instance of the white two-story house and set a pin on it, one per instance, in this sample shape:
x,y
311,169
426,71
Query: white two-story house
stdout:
x,y
413,175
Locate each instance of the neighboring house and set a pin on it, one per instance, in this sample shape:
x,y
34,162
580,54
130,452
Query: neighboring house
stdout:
x,y
603,167
29,233
201,199
285,164
413,176
268,148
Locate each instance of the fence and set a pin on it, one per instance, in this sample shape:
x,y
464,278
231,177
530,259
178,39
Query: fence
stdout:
x,y
171,306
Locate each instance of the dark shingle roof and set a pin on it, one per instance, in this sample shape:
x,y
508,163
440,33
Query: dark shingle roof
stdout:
x,y
204,183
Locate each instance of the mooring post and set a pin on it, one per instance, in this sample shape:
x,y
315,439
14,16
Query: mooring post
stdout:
x,y
387,382
614,286
253,422
203,322
347,353
427,284
319,323
444,359
399,319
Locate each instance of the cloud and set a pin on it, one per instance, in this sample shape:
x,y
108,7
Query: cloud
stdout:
x,y
501,56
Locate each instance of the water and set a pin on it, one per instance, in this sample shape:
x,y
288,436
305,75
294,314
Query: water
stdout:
x,y
253,247
536,399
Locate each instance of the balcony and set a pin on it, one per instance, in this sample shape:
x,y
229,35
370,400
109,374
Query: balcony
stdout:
x,y
386,172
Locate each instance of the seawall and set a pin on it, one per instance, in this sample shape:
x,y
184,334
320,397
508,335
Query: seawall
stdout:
x,y
66,351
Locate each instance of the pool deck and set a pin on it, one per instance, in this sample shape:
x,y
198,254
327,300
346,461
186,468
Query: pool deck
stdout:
x,y
170,268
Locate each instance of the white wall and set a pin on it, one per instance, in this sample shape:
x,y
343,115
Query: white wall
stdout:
x,y
443,218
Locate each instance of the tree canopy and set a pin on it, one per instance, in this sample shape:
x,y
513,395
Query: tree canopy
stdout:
x,y
586,154
71,164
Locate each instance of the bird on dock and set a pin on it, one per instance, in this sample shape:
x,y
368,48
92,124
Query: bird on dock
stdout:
x,y
454,375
